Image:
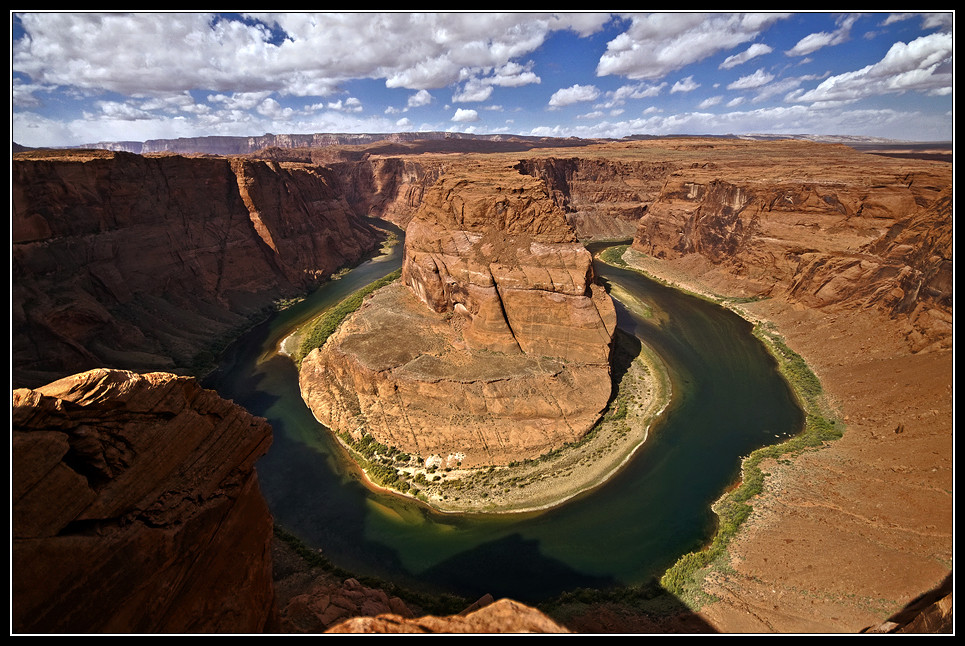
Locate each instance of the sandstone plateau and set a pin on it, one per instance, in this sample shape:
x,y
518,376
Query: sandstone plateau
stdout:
x,y
143,262
497,346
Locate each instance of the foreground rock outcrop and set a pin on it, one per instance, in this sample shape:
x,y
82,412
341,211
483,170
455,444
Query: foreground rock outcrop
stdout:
x,y
136,508
497,346
152,263
503,616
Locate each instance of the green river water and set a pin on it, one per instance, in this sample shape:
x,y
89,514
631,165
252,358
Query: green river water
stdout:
x,y
728,399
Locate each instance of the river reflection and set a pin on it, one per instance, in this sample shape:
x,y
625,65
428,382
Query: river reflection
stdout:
x,y
728,400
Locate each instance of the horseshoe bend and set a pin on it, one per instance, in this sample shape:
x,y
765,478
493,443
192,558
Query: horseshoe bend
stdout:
x,y
494,348
498,344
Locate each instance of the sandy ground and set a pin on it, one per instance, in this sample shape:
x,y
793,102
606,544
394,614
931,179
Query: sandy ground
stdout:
x,y
844,536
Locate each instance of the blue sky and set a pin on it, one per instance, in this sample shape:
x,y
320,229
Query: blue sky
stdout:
x,y
84,77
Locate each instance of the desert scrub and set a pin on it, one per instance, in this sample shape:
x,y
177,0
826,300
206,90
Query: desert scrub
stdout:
x,y
381,463
684,579
318,331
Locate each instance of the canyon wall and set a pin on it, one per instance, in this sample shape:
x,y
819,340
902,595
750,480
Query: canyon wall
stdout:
x,y
391,188
496,348
602,196
140,262
144,263
821,226
136,508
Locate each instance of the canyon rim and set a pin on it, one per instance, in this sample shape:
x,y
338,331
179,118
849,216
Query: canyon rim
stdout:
x,y
128,262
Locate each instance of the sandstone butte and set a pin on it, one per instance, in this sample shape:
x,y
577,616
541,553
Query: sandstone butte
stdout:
x,y
497,346
847,254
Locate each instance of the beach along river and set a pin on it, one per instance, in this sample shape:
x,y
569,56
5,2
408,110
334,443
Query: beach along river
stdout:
x,y
728,399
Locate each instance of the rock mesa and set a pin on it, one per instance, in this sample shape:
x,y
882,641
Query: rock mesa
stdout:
x,y
496,345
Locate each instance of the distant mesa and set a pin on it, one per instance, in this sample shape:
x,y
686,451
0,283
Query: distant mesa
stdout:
x,y
429,141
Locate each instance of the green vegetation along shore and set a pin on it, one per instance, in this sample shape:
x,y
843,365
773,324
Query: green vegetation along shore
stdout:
x,y
684,579
641,392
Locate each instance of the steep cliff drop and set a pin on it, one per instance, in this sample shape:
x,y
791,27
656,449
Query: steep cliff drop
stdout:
x,y
154,263
496,345
136,508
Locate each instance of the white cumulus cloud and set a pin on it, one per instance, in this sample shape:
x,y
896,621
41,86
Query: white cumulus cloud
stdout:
x,y
685,85
757,79
574,94
659,43
755,50
463,115
925,64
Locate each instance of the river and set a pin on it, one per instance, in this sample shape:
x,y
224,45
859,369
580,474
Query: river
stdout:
x,y
728,399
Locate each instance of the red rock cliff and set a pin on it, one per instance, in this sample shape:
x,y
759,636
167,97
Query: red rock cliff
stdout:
x,y
603,196
496,347
817,224
145,262
136,508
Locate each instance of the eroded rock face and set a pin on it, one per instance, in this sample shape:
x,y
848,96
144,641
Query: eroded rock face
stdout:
x,y
144,263
603,197
816,224
391,188
136,508
496,348
503,616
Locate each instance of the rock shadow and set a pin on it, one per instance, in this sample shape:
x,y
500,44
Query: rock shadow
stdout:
x,y
510,567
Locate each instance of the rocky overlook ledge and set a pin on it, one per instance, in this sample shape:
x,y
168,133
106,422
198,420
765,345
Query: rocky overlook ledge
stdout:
x,y
496,345
136,508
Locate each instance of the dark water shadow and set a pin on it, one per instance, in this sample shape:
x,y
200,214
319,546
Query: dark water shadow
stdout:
x,y
525,573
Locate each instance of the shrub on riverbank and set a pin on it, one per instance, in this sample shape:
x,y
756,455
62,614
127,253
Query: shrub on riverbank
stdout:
x,y
733,509
318,331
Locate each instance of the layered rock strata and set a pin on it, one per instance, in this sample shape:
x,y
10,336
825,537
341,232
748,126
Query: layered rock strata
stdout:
x,y
604,197
144,263
136,508
391,188
816,224
495,347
